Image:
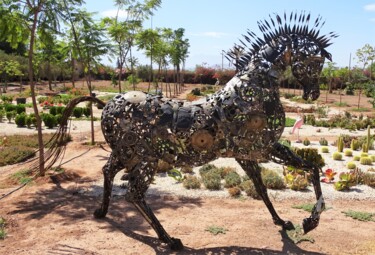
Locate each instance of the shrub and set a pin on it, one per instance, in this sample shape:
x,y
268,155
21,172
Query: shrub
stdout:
x,y
53,110
86,111
227,170
337,155
296,182
20,108
232,179
196,92
272,180
356,158
2,115
234,191
212,180
249,188
311,155
191,182
206,168
369,179
77,112
351,165
348,153
365,161
324,149
10,107
20,120
306,142
10,116
58,118
49,120
187,169
28,121
14,154
323,141
60,109
354,144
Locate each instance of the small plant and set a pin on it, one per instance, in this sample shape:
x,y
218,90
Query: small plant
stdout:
x,y
324,149
356,158
337,155
323,141
191,182
346,180
3,233
372,157
86,111
296,181
187,169
53,110
215,230
249,188
311,155
340,144
20,120
306,142
176,175
226,170
361,216
49,120
351,165
10,116
212,180
232,179
364,154
306,207
297,235
22,177
272,180
354,144
206,168
77,112
234,191
329,175
348,152
366,161
20,108
369,179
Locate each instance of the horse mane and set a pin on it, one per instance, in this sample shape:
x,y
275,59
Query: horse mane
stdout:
x,y
292,25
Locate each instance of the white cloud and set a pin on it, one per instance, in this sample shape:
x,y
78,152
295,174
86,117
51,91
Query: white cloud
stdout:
x,y
212,34
113,13
369,7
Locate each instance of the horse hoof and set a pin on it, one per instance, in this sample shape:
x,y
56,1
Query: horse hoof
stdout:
x,y
98,214
288,225
176,244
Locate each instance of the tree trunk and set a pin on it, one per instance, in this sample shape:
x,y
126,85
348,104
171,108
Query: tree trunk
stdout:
x,y
49,76
119,78
73,72
88,80
33,96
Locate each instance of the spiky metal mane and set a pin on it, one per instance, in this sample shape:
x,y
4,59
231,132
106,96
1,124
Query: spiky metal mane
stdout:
x,y
293,25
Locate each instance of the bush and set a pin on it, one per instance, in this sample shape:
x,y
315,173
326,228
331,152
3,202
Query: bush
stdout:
x,y
212,180
29,121
306,142
20,108
196,92
53,110
191,182
324,149
356,158
49,120
77,112
351,165
206,168
323,141
232,179
337,155
348,153
249,188
310,155
2,115
10,116
272,180
365,161
234,191
10,107
14,154
369,179
227,170
20,120
86,111
296,181
58,118
60,109
186,169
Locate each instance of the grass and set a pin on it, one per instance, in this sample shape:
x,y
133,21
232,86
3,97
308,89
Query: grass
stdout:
x,y
342,104
305,207
289,122
361,216
215,230
3,233
297,235
360,109
22,176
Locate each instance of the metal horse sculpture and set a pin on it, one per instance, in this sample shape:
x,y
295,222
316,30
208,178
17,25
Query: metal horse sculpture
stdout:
x,y
244,120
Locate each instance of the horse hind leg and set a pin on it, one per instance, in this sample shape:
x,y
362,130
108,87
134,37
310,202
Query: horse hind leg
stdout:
x,y
110,169
139,180
253,170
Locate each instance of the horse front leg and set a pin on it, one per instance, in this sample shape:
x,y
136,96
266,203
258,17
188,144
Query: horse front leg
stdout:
x,y
110,169
139,180
283,155
253,170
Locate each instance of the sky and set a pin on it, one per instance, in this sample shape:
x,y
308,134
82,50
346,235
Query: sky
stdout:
x,y
214,26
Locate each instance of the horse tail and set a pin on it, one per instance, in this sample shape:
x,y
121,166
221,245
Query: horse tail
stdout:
x,y
57,144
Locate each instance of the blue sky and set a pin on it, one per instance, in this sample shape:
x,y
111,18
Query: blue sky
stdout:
x,y
216,25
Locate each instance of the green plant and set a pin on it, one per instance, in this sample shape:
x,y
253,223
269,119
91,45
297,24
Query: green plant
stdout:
x,y
337,155
77,112
212,180
329,175
272,180
10,116
22,177
372,157
49,120
20,120
306,207
60,109
346,180
215,230
311,155
296,181
324,149
285,142
224,171
348,153
365,161
249,188
86,111
361,216
340,144
356,158
53,110
354,145
323,141
10,107
191,182
3,233
232,179
289,122
14,154
206,168
20,108
306,142
176,175
364,154
187,169
297,235
28,121
2,114
351,165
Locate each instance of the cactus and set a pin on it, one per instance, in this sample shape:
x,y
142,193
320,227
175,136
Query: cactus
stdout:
x,y
366,161
323,141
306,142
340,144
356,158
348,153
351,165
368,139
324,149
354,145
337,155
